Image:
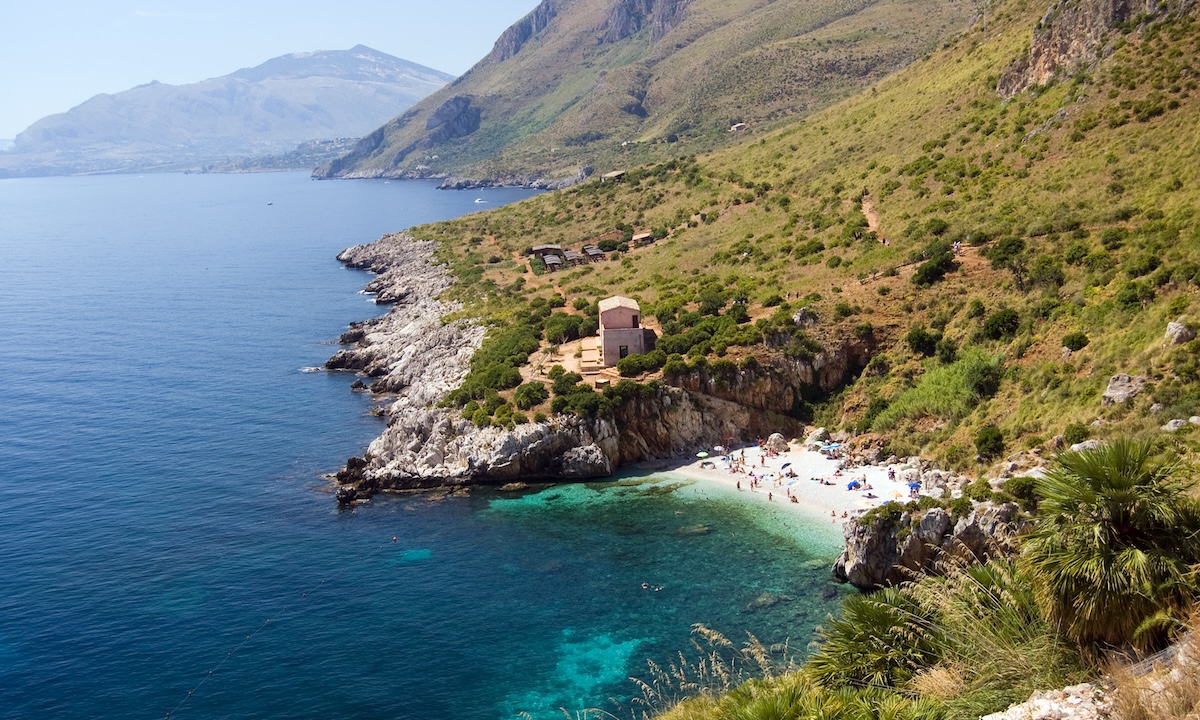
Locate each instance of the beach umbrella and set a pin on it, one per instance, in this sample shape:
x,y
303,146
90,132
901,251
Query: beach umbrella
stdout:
x,y
914,485
719,448
831,446
784,465
701,454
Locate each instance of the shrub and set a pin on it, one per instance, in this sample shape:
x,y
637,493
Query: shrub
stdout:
x,y
922,341
879,640
1119,572
1075,341
989,442
530,395
1134,295
979,491
939,260
1023,489
1002,323
947,351
1076,433
566,383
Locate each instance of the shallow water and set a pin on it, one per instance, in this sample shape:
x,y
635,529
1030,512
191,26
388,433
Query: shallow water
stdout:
x,y
162,513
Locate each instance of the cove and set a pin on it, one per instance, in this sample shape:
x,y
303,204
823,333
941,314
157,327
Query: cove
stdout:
x,y
162,512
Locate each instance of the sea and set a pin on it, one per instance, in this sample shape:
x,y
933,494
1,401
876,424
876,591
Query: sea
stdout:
x,y
170,548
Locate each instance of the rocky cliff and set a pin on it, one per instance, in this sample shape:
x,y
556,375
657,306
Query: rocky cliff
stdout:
x,y
885,549
1074,34
514,38
628,17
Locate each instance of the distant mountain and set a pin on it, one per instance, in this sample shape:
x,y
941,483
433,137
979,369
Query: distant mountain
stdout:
x,y
268,109
609,83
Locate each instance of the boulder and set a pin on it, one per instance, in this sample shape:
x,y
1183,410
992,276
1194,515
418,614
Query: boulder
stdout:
x,y
1085,445
804,316
1174,425
1178,334
817,437
1078,702
346,494
1122,388
777,443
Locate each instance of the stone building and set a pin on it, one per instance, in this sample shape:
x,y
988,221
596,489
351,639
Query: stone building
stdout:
x,y
621,331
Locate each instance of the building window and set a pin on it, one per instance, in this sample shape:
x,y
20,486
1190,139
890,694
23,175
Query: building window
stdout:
x,y
624,351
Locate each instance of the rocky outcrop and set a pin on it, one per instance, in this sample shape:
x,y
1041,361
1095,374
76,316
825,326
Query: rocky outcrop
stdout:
x,y
436,447
628,17
885,549
788,383
1073,34
1078,702
408,351
1178,333
533,182
514,38
1122,388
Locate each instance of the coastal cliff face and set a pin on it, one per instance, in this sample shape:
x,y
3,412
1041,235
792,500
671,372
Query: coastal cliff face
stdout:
x,y
885,549
784,386
1074,34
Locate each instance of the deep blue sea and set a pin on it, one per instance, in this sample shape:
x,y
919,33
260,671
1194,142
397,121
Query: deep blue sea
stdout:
x,y
167,544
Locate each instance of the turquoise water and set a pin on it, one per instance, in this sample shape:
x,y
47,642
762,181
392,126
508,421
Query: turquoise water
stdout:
x,y
164,529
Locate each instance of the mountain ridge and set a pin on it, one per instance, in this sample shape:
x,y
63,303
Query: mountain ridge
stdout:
x,y
607,83
268,108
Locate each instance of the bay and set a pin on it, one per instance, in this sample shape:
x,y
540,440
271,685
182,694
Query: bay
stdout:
x,y
167,544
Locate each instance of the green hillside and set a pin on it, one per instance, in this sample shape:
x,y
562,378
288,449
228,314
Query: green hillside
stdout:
x,y
606,83
1074,205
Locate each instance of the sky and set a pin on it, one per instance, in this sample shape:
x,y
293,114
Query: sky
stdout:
x,y
55,54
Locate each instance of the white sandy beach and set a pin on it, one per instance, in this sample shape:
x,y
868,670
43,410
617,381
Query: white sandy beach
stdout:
x,y
812,497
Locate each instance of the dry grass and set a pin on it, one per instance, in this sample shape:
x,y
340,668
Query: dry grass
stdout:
x,y
717,667
1162,688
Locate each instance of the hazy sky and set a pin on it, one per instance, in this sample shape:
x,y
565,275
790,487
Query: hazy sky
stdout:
x,y
54,54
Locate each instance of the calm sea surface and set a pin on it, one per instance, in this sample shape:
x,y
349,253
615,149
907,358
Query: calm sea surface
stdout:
x,y
167,544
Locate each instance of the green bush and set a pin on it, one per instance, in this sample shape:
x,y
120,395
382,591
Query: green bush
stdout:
x,y
1001,324
1075,341
922,341
989,442
879,640
1024,490
1076,433
947,351
980,490
530,394
566,383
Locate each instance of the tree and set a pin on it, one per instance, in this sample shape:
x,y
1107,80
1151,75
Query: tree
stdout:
x,y
1111,552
